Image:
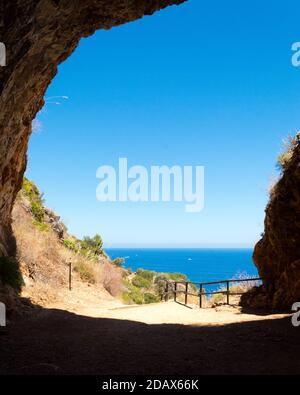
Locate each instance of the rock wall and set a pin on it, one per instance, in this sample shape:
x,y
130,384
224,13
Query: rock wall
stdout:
x,y
277,254
40,34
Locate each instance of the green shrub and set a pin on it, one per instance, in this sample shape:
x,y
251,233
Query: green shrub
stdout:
x,y
161,277
217,298
151,298
35,198
41,226
38,211
85,248
177,277
147,274
135,297
290,143
10,273
92,244
89,247
126,297
71,245
160,289
141,282
27,186
118,262
31,190
149,287
132,294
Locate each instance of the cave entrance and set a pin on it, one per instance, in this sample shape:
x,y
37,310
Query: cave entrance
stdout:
x,y
46,34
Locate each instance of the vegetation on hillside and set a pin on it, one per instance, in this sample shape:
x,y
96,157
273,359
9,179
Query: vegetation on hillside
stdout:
x,y
289,145
35,198
43,255
146,286
89,247
45,247
283,159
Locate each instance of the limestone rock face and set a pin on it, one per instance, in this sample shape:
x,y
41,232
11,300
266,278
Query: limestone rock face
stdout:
x,y
277,254
38,35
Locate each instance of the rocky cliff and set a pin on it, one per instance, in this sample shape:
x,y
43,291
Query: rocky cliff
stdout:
x,y
277,254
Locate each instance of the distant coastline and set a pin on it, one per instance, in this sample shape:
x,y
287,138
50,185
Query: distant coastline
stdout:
x,y
198,264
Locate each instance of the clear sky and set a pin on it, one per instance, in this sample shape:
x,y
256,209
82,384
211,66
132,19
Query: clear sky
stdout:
x,y
207,83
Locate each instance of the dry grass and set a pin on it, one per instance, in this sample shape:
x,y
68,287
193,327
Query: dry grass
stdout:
x,y
44,262
289,145
237,287
41,255
112,279
88,271
41,293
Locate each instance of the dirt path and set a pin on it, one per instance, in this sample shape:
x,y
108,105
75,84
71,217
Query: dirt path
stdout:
x,y
175,313
92,303
155,339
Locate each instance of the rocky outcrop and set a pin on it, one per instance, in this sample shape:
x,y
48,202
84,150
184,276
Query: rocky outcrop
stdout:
x,y
38,35
55,222
277,254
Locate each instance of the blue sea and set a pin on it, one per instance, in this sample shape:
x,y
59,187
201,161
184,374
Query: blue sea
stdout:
x,y
200,265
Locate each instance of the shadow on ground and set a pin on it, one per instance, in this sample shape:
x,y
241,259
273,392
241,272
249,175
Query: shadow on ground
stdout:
x,y
59,342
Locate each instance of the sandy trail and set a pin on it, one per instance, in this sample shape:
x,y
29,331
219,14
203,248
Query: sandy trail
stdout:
x,y
90,305
175,313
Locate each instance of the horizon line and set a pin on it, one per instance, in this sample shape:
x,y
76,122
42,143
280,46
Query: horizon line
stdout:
x,y
143,246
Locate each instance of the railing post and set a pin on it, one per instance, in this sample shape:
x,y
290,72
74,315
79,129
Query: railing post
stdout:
x,y
167,291
70,276
186,292
175,291
227,283
200,296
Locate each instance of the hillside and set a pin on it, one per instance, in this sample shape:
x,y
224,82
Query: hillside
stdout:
x,y
45,249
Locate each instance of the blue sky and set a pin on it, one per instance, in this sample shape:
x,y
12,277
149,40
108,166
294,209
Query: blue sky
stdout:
x,y
206,83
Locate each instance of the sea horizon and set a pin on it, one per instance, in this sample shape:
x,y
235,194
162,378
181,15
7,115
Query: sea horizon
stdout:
x,y
198,264
144,247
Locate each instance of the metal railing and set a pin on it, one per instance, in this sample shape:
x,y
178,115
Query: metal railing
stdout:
x,y
172,286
